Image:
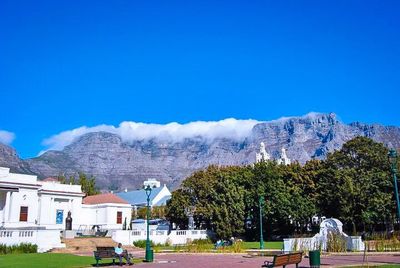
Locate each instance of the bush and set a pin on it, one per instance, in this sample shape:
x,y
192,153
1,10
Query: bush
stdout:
x,y
142,243
21,248
336,242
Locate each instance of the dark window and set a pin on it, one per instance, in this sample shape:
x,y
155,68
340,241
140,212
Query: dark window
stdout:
x,y
119,217
23,214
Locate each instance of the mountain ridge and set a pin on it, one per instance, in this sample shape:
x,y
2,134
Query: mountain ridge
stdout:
x,y
120,164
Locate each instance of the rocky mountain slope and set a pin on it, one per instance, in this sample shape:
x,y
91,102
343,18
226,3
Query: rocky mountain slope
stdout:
x,y
118,164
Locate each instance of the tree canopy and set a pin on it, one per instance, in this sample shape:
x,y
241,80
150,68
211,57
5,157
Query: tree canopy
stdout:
x,y
353,184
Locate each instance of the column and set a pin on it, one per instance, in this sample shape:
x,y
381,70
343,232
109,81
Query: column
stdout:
x,y
6,208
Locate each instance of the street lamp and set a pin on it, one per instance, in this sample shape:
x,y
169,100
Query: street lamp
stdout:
x,y
260,204
149,251
392,157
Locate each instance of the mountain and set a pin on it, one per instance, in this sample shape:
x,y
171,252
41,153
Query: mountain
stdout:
x,y
118,164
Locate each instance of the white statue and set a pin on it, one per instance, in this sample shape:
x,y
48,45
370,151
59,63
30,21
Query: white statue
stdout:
x,y
262,156
284,160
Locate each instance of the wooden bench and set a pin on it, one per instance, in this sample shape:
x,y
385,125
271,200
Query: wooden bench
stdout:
x,y
104,253
284,259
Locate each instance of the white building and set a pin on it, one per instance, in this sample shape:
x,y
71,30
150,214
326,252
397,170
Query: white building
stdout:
x,y
33,211
137,198
283,159
262,155
27,202
106,210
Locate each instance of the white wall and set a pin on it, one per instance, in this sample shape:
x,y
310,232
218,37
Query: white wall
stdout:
x,y
176,237
106,215
27,198
44,239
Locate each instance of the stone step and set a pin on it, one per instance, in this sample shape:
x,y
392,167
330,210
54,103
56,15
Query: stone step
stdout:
x,y
88,245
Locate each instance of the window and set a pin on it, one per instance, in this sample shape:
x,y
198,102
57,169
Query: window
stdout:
x,y
23,214
119,217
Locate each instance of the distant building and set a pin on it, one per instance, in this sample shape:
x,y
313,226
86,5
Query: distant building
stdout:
x,y
137,198
262,155
153,183
283,159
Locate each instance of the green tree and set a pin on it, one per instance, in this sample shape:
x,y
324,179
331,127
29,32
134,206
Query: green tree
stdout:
x,y
355,185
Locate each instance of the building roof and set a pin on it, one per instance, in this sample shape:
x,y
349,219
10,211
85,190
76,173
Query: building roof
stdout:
x,y
102,199
163,201
51,180
139,197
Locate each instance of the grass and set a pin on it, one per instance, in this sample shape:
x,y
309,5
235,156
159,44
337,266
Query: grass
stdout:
x,y
50,260
267,245
278,245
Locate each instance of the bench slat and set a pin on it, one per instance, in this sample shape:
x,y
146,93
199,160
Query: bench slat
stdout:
x,y
285,259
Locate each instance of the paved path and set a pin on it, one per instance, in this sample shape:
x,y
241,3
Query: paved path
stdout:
x,y
187,260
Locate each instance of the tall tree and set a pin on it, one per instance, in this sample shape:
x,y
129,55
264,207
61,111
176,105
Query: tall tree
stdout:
x,y
356,184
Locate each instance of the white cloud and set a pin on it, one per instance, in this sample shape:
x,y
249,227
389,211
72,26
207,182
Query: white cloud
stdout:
x,y
6,137
172,132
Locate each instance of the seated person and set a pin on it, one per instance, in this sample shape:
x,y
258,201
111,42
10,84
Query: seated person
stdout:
x,y
120,253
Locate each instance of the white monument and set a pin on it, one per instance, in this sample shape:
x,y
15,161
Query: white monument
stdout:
x,y
328,228
283,160
262,156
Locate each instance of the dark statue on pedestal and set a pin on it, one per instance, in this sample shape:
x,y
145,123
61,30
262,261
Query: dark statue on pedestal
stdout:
x,y
68,221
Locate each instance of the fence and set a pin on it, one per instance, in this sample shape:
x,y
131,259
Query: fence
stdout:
x,y
44,239
175,237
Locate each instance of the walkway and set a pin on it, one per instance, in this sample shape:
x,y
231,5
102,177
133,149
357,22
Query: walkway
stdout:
x,y
206,260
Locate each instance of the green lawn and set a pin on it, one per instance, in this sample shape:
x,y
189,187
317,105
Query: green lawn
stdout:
x,y
267,245
49,260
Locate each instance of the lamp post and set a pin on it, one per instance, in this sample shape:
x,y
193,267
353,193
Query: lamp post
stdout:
x,y
260,204
149,251
392,157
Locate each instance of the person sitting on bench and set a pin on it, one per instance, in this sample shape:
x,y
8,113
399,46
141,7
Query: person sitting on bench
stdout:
x,y
119,252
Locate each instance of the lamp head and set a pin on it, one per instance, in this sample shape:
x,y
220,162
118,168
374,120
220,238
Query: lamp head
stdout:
x,y
148,190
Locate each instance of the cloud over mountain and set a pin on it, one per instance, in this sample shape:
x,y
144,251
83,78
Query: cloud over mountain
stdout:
x,y
172,132
6,137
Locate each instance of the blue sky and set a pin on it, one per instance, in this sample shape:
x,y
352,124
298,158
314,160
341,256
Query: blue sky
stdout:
x,y
67,64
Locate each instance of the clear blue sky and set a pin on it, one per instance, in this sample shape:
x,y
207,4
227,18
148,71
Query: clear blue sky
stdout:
x,y
65,64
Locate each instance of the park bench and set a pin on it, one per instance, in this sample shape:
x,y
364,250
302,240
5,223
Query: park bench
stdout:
x,y
284,259
106,253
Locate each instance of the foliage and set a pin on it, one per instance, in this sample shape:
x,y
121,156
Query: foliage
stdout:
x,y
142,243
356,186
336,242
353,184
20,248
88,184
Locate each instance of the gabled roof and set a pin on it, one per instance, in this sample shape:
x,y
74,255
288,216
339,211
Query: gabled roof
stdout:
x,y
163,201
139,197
50,179
102,199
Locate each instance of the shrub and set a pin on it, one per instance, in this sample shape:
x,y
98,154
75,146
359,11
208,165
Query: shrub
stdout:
x,y
336,242
21,248
142,243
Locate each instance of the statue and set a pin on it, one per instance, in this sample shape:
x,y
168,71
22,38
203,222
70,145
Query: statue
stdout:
x,y
68,221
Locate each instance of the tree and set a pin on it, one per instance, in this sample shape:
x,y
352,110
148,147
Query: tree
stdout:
x,y
355,185
88,184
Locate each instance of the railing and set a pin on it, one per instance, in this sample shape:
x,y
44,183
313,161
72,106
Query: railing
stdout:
x,y
44,239
176,237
